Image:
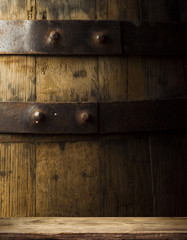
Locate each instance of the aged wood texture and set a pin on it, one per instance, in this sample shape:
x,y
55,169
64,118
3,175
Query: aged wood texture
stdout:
x,y
76,190
66,79
169,173
17,78
126,167
17,179
68,179
165,78
108,176
54,225
120,79
17,160
93,228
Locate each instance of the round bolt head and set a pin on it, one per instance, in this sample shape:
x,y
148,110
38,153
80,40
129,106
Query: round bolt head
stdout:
x,y
54,35
38,116
101,38
85,116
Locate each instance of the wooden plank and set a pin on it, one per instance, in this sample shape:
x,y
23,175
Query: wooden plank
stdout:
x,y
169,172
120,80
136,81
65,10
16,9
160,10
89,236
112,78
126,176
113,71
165,78
17,78
183,10
68,179
123,10
17,179
17,161
93,228
101,9
67,79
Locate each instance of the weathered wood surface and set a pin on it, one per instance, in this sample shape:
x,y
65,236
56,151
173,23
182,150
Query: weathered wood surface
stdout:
x,y
17,161
126,175
93,228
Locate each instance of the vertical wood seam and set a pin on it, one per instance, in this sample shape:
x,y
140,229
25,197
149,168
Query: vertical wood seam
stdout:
x,y
152,180
35,144
185,77
127,80
139,10
107,9
95,9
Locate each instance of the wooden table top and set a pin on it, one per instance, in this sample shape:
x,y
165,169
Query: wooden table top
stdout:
x,y
92,228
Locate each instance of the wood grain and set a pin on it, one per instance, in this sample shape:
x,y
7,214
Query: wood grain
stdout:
x,y
123,10
93,228
121,79
183,10
65,10
68,179
126,167
169,172
160,10
93,225
17,78
17,9
17,160
17,179
108,176
76,190
165,78
71,79
66,79
89,236
112,78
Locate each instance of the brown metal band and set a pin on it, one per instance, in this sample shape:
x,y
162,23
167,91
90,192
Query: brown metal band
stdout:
x,y
92,38
94,118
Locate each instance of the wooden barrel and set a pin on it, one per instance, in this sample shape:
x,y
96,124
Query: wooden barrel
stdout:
x,y
139,174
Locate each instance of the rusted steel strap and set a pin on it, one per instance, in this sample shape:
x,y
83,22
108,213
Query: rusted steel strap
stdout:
x,y
92,38
67,118
94,118
143,116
